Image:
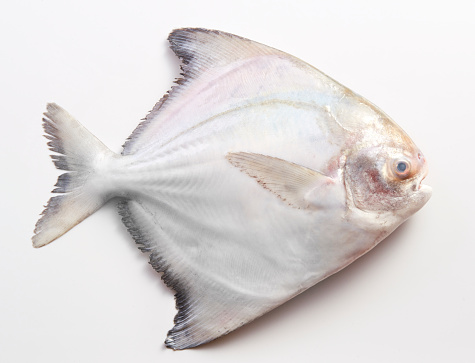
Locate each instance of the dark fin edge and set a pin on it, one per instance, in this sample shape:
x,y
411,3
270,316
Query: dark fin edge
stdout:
x,y
182,300
63,184
56,145
181,81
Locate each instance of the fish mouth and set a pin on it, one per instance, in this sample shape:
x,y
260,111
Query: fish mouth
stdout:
x,y
420,183
424,188
425,171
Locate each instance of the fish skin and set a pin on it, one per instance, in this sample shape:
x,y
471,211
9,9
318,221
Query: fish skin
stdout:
x,y
253,179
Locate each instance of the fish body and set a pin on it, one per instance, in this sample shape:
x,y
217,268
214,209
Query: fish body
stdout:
x,y
253,179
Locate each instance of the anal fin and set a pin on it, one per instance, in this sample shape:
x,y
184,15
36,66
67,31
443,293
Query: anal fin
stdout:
x,y
206,308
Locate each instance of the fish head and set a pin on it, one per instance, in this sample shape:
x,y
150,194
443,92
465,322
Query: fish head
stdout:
x,y
384,173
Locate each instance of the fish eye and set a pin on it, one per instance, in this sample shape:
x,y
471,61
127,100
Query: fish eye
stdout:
x,y
402,168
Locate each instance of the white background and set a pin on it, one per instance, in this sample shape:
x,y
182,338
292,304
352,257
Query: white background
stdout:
x,y
92,297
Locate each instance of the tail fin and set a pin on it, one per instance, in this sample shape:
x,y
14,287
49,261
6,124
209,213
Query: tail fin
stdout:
x,y
82,155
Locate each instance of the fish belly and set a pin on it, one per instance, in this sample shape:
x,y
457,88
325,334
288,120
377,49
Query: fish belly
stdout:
x,y
235,248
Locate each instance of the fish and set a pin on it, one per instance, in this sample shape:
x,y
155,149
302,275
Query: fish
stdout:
x,y
253,178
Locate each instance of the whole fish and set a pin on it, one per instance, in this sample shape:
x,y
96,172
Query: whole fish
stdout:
x,y
251,180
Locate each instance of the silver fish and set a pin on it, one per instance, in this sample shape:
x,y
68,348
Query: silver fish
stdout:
x,y
251,180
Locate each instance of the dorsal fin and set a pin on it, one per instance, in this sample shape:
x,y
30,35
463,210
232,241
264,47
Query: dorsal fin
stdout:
x,y
203,52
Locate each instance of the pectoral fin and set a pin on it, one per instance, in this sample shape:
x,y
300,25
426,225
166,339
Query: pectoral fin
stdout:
x,y
300,187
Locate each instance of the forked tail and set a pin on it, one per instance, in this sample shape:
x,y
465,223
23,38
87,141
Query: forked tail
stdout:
x,y
82,192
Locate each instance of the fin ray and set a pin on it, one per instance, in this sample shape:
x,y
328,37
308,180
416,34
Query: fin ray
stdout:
x,y
290,182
